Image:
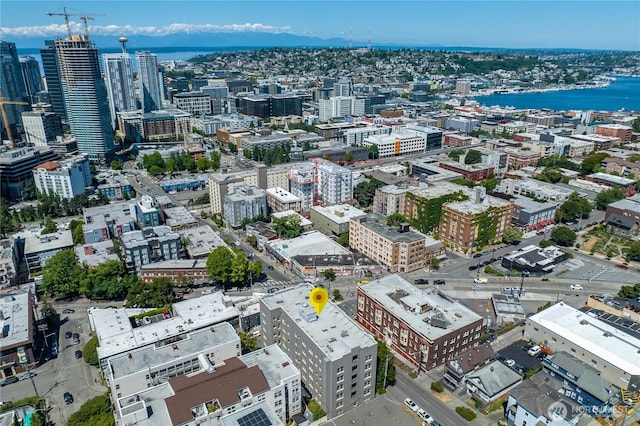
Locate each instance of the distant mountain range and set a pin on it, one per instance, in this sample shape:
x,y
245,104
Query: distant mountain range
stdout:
x,y
198,40
249,40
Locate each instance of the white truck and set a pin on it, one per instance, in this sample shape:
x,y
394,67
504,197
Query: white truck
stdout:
x,y
480,280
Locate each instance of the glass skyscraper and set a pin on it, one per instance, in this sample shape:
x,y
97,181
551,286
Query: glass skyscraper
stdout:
x,y
31,75
151,84
52,77
85,97
12,85
119,80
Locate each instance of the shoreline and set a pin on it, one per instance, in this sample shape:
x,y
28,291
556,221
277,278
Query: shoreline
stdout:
x,y
521,90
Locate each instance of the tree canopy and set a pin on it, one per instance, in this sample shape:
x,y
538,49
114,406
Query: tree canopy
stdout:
x,y
62,274
288,226
473,157
156,294
96,411
511,235
608,196
395,219
365,191
231,268
575,207
592,163
563,236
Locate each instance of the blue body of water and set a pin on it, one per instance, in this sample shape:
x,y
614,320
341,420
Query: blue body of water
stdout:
x,y
622,93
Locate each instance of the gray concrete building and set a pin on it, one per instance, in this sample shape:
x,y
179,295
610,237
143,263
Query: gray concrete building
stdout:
x,y
150,245
336,358
245,202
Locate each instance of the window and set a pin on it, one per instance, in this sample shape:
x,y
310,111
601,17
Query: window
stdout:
x,y
340,369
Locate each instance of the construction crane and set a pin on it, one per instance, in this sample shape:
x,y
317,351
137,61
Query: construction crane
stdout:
x,y
5,117
84,16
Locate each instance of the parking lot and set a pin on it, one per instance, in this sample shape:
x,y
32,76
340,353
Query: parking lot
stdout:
x,y
517,352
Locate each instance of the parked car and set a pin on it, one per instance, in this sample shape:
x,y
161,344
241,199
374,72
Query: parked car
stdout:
x,y
576,287
480,280
477,255
534,351
9,380
412,405
76,338
68,398
27,376
67,335
68,311
622,266
78,354
421,281
439,282
510,362
425,416
270,267
473,267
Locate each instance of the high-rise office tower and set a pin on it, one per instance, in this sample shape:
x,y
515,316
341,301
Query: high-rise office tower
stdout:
x,y
12,85
85,97
119,80
151,86
52,78
31,76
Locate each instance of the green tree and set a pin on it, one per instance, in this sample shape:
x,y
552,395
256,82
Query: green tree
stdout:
x,y
629,292
473,157
575,207
511,235
608,196
248,341
551,175
365,191
563,236
592,163
219,265
109,281
455,154
116,165
632,252
373,152
349,156
328,275
288,226
343,239
395,219
50,227
7,226
62,274
636,125
96,411
337,296
156,294
90,351
385,361
202,164
316,410
215,160
76,231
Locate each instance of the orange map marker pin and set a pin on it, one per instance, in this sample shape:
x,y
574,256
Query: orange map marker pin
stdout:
x,y
318,298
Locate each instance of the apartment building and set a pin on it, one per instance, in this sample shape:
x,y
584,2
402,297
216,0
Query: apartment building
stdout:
x,y
279,200
535,188
621,167
398,249
16,169
624,133
259,388
8,263
263,177
65,178
38,249
396,143
463,222
529,214
150,245
426,327
333,220
176,270
336,358
196,103
474,172
245,202
335,184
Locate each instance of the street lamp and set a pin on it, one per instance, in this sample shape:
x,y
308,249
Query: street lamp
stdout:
x,y
522,275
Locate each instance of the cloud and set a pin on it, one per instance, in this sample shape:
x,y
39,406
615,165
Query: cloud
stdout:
x,y
129,30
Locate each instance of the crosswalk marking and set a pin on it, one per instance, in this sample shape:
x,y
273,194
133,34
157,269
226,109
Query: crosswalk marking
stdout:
x,y
272,283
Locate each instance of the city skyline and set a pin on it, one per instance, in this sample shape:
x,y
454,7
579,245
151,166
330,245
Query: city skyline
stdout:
x,y
493,24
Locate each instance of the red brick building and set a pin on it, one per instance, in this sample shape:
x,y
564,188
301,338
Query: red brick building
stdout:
x,y
474,172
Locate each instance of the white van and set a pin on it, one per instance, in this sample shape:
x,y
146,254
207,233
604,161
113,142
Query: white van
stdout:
x,y
480,280
534,350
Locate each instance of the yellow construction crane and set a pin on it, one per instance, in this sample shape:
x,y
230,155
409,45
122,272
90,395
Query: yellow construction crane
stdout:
x,y
5,117
83,16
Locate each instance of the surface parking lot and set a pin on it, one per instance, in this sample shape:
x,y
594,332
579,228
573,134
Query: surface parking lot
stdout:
x,y
517,352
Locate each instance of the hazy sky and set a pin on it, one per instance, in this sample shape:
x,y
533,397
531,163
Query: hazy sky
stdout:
x,y
544,24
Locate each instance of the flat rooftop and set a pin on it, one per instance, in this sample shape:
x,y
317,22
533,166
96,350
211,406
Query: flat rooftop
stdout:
x,y
613,179
93,254
594,335
178,216
176,264
36,243
161,352
282,195
470,206
276,365
310,243
335,332
417,307
340,213
202,240
376,223
17,322
116,334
